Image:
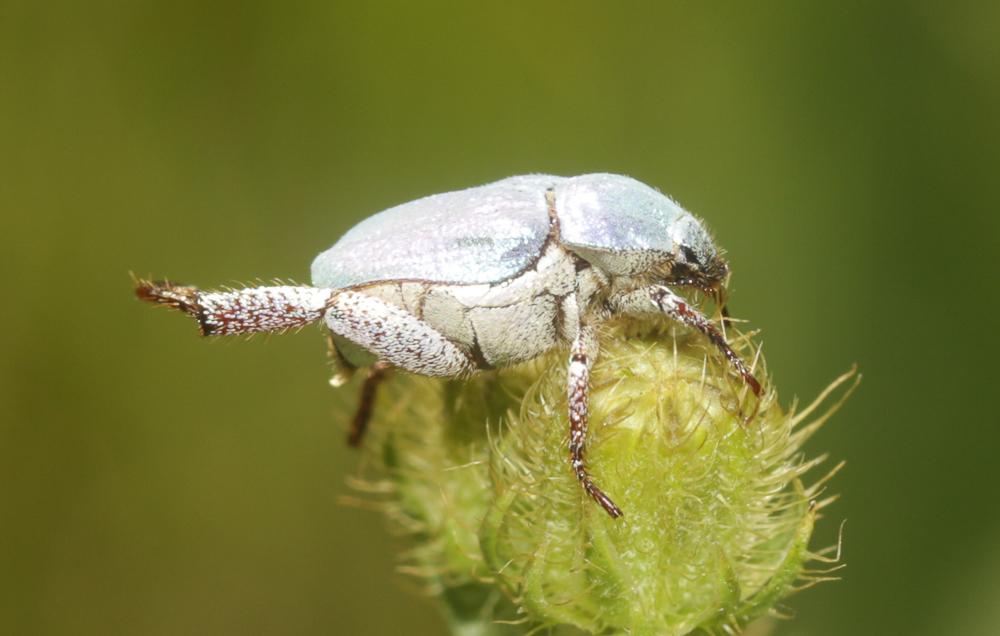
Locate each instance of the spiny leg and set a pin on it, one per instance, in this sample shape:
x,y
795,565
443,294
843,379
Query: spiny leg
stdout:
x,y
677,308
369,388
582,355
665,301
239,311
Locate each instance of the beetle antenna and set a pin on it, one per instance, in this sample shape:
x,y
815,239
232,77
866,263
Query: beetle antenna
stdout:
x,y
240,311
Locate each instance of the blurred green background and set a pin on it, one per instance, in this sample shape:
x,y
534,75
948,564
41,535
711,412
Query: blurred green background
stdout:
x,y
153,483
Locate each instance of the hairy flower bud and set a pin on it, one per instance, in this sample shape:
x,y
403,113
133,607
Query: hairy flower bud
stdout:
x,y
717,518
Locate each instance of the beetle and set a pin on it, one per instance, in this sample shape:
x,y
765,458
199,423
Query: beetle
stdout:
x,y
484,278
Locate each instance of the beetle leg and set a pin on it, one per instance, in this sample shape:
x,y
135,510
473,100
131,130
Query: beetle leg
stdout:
x,y
677,308
359,424
665,301
395,335
240,311
582,356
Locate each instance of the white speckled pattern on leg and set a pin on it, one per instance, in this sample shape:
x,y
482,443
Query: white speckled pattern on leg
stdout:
x,y
395,336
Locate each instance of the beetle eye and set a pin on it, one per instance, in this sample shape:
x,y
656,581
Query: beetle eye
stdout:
x,y
690,257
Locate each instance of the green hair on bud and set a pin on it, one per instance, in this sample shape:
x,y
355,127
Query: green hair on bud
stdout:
x,y
718,515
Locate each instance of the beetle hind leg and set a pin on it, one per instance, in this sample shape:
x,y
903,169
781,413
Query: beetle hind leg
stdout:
x,y
396,336
239,311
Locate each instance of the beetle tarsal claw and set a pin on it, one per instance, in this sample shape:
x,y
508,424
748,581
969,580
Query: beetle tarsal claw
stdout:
x,y
166,293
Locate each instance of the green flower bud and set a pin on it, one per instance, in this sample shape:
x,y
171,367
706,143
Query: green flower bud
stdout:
x,y
717,518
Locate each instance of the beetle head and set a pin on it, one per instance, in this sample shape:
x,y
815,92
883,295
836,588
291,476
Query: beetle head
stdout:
x,y
698,265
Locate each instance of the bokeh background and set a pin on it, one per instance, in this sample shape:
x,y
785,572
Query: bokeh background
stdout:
x,y
845,154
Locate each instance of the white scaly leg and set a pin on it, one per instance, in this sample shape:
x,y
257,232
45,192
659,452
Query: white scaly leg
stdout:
x,y
396,336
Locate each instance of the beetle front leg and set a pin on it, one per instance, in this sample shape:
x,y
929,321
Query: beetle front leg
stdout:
x,y
665,301
582,356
